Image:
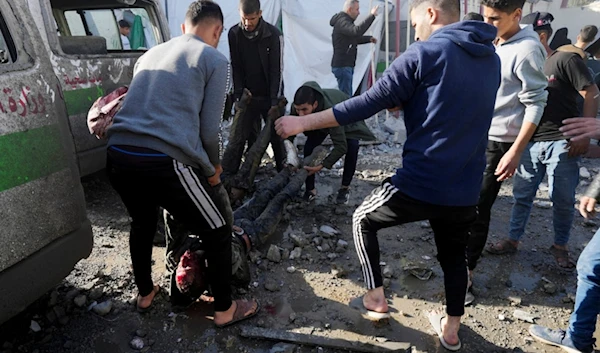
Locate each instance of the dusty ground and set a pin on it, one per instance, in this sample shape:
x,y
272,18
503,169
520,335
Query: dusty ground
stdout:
x,y
312,298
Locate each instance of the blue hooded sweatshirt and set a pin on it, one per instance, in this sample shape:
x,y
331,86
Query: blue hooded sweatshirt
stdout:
x,y
447,87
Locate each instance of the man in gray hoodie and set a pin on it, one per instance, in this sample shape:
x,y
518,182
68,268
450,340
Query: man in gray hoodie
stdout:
x,y
164,151
520,103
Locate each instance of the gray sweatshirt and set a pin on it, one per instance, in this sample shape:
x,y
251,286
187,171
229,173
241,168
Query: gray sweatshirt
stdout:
x,y
175,103
522,94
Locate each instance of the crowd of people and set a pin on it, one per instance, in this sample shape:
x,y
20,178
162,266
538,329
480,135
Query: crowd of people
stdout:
x,y
485,99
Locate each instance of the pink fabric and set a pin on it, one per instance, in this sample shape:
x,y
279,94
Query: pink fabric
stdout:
x,y
101,114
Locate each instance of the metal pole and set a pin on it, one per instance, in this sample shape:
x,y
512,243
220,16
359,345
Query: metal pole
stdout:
x,y
397,28
387,42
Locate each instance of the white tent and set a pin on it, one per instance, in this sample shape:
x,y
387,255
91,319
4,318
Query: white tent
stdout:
x,y
307,35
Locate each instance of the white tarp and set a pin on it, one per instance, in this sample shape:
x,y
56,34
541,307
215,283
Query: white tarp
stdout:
x,y
176,10
307,42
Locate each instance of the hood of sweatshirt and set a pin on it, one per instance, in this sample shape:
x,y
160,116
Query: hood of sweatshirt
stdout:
x,y
338,16
525,32
474,37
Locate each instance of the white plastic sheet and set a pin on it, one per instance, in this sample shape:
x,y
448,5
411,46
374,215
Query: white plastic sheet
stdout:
x,y
307,42
176,10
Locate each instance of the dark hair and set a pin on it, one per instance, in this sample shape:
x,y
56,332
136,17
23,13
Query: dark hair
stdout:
x,y
305,95
588,33
124,24
203,10
250,6
450,7
473,16
506,6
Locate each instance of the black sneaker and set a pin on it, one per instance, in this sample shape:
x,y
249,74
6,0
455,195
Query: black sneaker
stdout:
x,y
343,196
309,196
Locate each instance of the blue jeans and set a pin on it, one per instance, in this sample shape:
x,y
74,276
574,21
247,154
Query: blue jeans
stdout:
x,y
344,78
539,158
587,300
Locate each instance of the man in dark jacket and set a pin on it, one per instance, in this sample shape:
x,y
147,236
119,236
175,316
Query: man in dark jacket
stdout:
x,y
446,130
311,98
256,59
346,37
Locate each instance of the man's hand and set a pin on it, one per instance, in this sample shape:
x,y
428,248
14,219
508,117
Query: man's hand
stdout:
x,y
373,40
587,207
507,166
581,129
313,170
287,126
578,148
374,10
216,178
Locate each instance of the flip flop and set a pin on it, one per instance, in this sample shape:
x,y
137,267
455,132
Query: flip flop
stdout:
x,y
357,303
241,312
502,247
156,291
435,319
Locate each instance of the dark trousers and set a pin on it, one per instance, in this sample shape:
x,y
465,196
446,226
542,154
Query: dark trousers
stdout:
x,y
316,138
247,132
147,180
487,196
386,207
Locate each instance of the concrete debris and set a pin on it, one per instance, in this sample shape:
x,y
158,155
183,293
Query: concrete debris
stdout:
x,y
317,241
34,326
298,240
283,348
80,301
271,285
421,272
274,254
542,204
291,269
584,173
550,288
388,272
141,333
102,308
342,243
515,301
328,230
501,317
525,316
136,343
296,253
338,271
425,224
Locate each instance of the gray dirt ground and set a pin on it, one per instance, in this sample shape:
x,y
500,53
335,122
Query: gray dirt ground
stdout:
x,y
311,299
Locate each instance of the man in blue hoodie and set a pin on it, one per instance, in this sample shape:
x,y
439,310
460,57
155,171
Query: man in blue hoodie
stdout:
x,y
447,116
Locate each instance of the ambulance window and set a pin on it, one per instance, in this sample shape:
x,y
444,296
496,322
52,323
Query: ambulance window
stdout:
x,y
8,51
122,29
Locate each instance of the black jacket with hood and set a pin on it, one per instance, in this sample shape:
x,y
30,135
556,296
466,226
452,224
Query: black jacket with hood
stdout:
x,y
271,57
346,37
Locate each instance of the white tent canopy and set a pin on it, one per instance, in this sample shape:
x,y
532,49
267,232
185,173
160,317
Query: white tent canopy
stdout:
x,y
307,35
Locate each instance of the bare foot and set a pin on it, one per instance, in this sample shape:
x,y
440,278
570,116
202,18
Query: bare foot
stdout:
x,y
145,302
375,300
450,326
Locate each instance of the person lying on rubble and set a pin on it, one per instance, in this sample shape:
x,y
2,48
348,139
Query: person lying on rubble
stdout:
x,y
311,98
254,223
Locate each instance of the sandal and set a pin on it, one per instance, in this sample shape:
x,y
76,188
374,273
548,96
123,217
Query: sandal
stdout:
x,y
140,309
358,304
244,310
504,246
563,259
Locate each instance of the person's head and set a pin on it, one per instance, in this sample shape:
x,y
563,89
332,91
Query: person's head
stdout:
x,y
204,19
305,101
250,14
504,15
587,35
541,22
352,8
124,27
473,16
427,16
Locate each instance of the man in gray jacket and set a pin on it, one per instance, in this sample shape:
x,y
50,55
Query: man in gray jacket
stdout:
x,y
164,151
520,103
